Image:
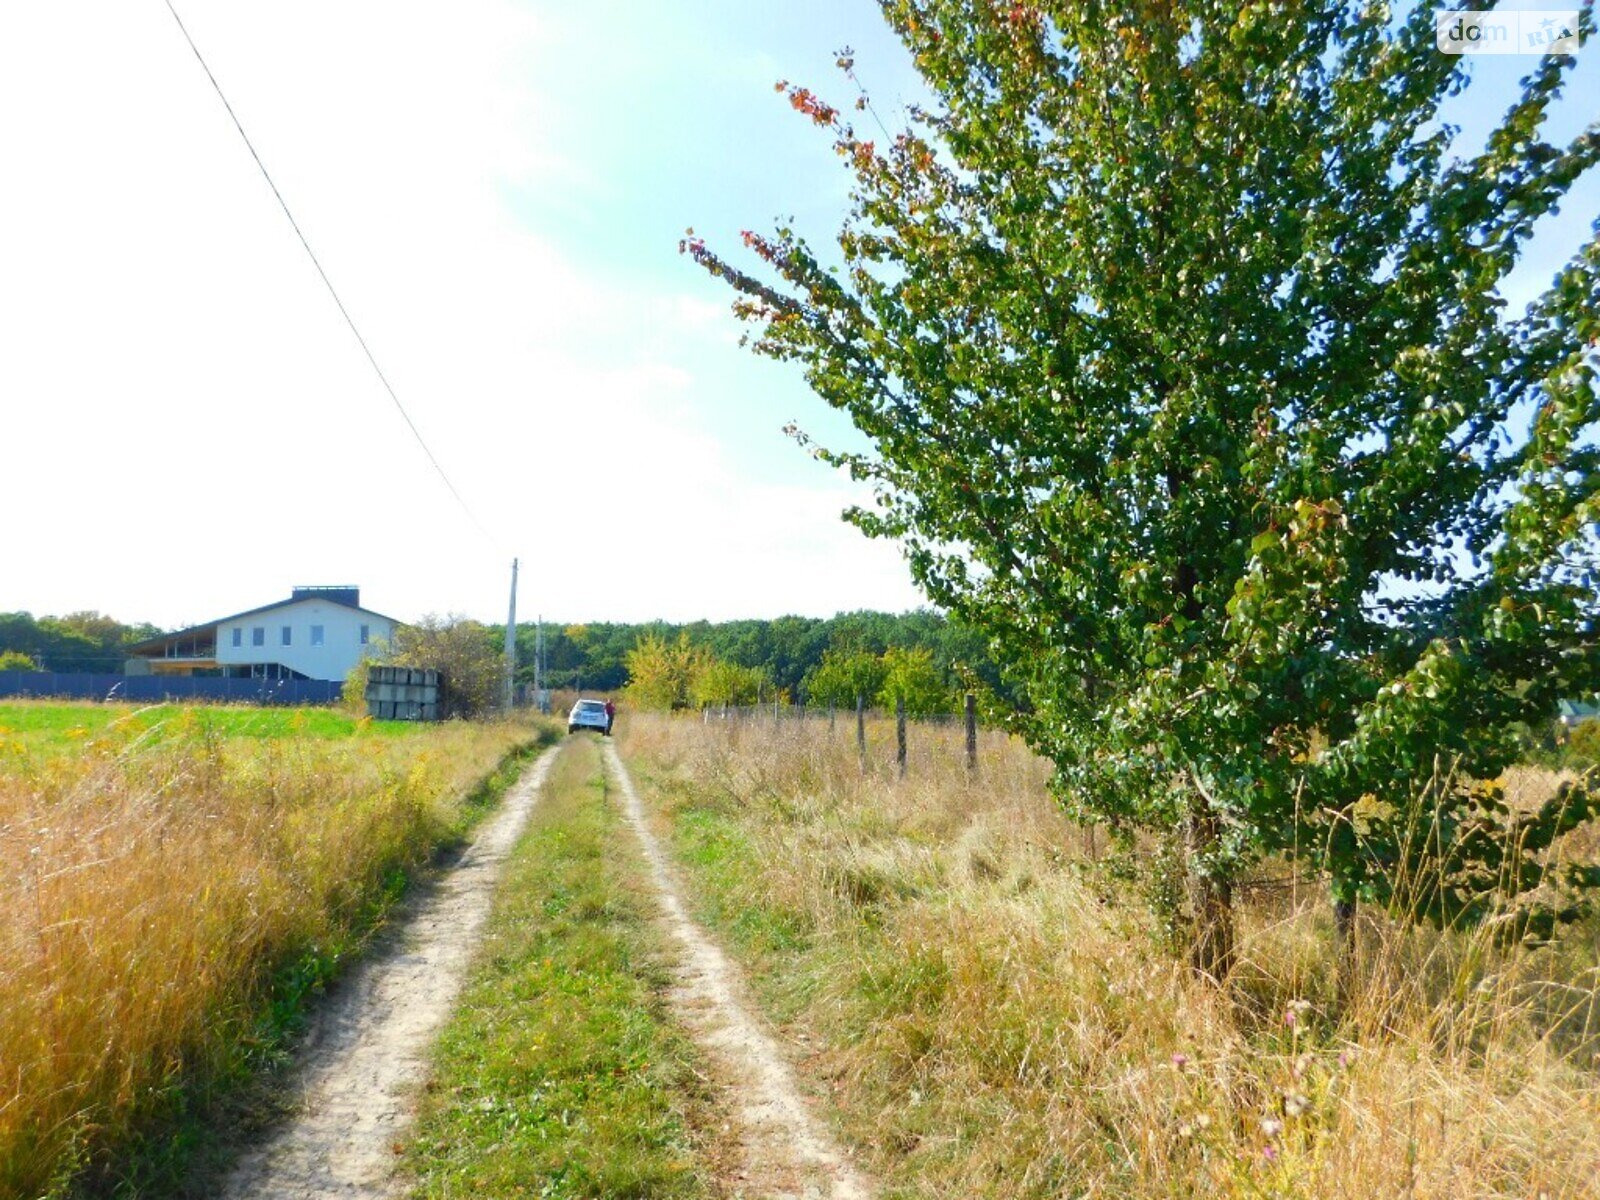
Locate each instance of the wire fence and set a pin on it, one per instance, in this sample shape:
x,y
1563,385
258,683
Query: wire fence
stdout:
x,y
778,714
832,714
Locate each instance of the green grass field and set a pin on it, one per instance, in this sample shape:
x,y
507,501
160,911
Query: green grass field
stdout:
x,y
51,726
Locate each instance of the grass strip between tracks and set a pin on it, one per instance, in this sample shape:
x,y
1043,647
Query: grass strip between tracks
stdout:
x,y
561,1074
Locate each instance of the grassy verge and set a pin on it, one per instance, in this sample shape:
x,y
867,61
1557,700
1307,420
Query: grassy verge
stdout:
x,y
993,1016
184,1152
560,1075
179,898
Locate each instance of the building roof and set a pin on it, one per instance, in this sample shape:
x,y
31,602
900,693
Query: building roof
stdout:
x,y
1581,709
344,596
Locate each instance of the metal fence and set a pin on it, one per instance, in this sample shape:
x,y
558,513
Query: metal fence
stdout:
x,y
161,688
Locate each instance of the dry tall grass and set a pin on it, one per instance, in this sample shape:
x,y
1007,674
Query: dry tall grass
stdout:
x,y
995,1014
152,889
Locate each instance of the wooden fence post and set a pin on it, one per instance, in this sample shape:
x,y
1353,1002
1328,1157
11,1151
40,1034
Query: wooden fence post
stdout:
x,y
972,732
861,730
900,735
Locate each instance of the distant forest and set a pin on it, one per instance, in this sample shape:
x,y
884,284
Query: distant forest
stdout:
x,y
82,641
592,657
588,656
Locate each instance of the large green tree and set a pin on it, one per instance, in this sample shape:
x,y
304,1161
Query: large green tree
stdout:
x,y
1179,333
661,674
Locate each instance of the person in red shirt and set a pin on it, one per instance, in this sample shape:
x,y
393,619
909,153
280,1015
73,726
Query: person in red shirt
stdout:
x,y
611,714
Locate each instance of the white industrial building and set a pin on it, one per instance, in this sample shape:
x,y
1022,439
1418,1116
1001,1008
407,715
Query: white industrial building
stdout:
x,y
317,633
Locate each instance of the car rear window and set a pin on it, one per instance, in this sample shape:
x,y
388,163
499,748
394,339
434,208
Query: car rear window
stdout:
x,y
590,706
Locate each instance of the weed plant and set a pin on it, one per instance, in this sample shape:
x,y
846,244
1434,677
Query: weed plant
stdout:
x,y
992,1010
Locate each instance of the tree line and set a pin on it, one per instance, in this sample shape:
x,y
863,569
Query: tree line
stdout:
x,y
667,675
798,658
922,656
85,641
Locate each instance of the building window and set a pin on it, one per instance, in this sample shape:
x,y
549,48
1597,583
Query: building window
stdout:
x,y
365,634
316,635
258,635
238,636
287,636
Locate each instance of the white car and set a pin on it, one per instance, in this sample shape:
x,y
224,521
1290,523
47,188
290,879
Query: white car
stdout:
x,y
587,714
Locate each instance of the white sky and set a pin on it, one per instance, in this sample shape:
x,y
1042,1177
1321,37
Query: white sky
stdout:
x,y
187,427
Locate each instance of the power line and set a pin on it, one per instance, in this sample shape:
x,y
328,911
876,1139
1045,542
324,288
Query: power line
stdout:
x,y
332,291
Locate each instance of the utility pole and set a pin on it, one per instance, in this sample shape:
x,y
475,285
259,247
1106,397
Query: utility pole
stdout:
x,y
538,662
511,642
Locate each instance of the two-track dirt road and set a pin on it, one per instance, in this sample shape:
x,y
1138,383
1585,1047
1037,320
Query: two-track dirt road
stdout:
x,y
367,1052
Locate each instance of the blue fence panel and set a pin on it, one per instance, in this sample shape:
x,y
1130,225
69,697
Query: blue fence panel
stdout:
x,y
162,688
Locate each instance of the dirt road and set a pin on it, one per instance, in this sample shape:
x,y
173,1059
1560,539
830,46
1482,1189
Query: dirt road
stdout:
x,y
787,1153
367,1050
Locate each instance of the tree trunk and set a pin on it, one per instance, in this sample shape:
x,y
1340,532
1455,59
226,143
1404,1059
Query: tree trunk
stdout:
x,y
1212,953
1344,925
1210,898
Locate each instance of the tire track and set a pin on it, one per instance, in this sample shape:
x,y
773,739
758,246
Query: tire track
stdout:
x,y
787,1153
368,1048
